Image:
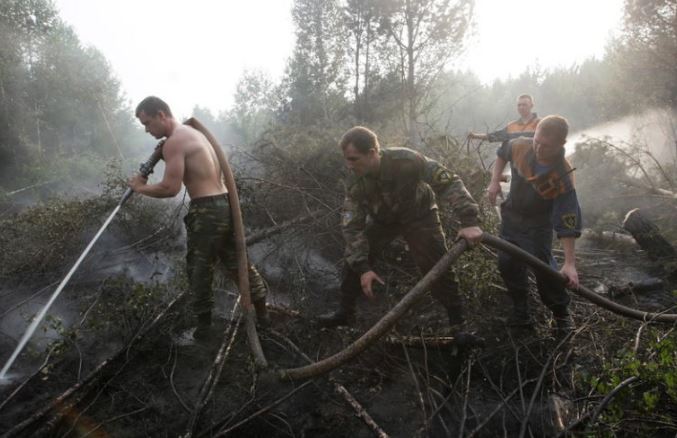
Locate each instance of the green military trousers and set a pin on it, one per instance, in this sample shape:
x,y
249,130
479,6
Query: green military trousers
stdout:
x,y
427,244
210,239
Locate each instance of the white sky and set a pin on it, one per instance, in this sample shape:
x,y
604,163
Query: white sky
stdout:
x,y
195,54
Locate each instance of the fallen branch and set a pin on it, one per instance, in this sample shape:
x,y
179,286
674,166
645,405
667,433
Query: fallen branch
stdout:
x,y
207,389
262,410
498,408
551,356
592,415
381,327
18,388
59,403
422,341
260,235
340,389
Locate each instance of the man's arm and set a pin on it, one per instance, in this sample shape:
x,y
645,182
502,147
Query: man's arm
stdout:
x,y
494,188
567,223
450,188
569,268
353,225
477,136
171,180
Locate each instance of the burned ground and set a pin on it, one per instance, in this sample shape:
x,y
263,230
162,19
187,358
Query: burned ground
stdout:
x,y
114,333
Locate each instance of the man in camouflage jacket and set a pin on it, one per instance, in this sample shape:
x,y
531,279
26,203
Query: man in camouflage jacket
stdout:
x,y
394,192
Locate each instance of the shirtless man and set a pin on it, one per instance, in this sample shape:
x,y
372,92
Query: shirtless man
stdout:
x,y
191,160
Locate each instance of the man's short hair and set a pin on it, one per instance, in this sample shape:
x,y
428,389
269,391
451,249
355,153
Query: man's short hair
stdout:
x,y
361,138
526,96
151,105
555,127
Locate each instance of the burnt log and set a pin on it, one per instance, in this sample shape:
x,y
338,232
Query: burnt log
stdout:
x,y
648,236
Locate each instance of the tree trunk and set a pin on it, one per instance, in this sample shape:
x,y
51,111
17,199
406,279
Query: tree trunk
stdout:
x,y
648,236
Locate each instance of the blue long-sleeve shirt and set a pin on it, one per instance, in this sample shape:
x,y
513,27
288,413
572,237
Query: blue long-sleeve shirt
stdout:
x,y
540,195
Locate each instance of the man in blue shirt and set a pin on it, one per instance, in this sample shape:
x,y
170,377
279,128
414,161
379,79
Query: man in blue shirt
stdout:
x,y
542,198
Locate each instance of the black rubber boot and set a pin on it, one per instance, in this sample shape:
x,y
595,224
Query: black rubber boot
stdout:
x,y
340,317
455,315
457,328
465,338
564,324
520,318
204,330
262,316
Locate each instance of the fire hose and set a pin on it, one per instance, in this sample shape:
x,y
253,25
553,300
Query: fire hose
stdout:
x,y
418,291
240,245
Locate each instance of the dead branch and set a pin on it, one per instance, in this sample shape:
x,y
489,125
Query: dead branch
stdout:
x,y
264,234
426,426
381,327
591,416
263,410
421,341
114,419
360,411
340,389
207,389
171,382
20,387
610,397
466,394
499,407
546,366
61,404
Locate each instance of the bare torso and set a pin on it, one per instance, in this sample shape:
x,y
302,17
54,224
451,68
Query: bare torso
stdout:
x,y
202,172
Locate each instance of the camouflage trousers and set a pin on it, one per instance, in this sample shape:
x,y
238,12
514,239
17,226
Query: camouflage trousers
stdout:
x,y
210,239
427,244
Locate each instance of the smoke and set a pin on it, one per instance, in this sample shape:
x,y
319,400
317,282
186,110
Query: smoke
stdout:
x,y
623,164
654,128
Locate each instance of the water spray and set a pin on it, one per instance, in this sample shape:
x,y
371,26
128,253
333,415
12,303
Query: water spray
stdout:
x,y
145,169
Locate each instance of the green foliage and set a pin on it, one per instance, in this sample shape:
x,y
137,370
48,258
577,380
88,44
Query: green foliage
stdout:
x,y
50,236
654,395
647,49
58,100
124,306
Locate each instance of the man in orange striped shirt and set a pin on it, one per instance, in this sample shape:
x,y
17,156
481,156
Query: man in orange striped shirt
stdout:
x,y
525,126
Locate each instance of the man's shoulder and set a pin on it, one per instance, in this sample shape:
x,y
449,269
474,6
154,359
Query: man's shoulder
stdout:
x,y
187,138
518,151
402,153
522,142
401,162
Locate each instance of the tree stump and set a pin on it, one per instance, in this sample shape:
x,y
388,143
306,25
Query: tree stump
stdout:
x,y
648,236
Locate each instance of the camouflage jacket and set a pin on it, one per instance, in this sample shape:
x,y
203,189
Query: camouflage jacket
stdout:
x,y
406,189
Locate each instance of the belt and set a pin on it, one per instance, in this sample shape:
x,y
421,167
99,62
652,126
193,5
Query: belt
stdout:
x,y
206,200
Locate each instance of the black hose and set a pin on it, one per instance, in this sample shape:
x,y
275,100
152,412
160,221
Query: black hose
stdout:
x,y
586,293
